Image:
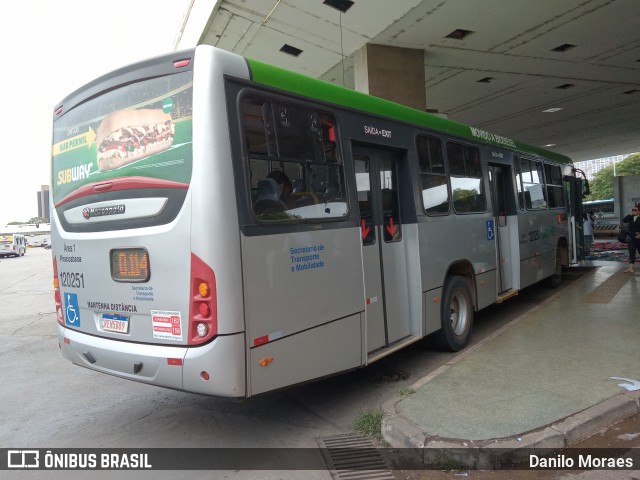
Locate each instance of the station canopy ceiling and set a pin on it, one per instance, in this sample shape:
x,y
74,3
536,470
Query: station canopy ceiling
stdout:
x,y
564,75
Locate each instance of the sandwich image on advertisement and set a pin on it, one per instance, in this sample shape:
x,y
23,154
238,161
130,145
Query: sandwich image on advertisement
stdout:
x,y
125,136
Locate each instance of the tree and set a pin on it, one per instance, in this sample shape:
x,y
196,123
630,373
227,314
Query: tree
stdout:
x,y
602,183
34,220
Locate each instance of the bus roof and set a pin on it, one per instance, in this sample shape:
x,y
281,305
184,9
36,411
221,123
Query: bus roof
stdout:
x,y
327,92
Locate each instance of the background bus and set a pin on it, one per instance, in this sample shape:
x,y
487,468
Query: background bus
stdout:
x,y
607,221
13,245
225,227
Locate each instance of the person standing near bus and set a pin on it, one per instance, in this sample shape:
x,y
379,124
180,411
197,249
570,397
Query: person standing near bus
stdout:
x,y
634,236
587,230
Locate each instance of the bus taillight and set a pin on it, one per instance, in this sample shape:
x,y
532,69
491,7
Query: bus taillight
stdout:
x,y
56,293
182,63
203,321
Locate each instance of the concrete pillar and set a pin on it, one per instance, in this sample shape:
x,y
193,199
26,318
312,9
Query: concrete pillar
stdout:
x,y
393,73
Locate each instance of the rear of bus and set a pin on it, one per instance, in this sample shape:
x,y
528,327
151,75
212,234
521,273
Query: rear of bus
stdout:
x,y
142,251
12,245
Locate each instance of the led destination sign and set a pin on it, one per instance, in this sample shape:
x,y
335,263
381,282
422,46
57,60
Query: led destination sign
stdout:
x,y
130,265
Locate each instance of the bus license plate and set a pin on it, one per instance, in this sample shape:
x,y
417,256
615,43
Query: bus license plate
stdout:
x,y
115,323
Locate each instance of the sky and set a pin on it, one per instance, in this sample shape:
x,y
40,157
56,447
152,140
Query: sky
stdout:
x,y
49,49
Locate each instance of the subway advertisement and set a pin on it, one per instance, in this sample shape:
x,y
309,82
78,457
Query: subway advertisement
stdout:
x,y
140,130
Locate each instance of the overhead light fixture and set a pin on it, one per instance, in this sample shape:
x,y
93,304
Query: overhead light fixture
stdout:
x,y
563,48
290,50
459,34
342,5
552,110
550,145
565,86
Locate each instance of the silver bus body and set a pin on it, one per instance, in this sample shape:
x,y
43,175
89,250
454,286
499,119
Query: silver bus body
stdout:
x,y
331,284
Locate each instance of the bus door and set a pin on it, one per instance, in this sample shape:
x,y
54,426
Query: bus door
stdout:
x,y
383,246
506,230
576,189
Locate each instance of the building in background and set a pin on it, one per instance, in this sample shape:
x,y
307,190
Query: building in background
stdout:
x,y
626,192
591,167
43,202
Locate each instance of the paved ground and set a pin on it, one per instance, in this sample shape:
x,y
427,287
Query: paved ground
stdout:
x,y
48,402
544,381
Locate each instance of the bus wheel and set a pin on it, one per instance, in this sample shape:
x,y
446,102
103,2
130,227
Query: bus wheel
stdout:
x,y
456,315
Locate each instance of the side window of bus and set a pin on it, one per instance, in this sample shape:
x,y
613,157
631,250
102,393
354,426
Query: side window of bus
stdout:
x,y
531,191
467,183
433,176
555,190
295,165
259,135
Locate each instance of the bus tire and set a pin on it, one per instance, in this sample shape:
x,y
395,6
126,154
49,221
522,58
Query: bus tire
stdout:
x,y
456,315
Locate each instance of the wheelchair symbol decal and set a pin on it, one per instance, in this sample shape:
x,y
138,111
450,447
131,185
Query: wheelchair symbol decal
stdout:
x,y
72,311
490,231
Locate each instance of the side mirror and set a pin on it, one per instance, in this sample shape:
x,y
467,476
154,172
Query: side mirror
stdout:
x,y
585,183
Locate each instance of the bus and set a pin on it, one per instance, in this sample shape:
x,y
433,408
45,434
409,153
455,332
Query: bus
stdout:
x,y
225,227
607,222
13,245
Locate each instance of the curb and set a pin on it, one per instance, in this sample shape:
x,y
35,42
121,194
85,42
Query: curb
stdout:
x,y
496,452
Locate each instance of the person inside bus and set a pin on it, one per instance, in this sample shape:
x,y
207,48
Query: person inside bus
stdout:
x,y
284,184
633,236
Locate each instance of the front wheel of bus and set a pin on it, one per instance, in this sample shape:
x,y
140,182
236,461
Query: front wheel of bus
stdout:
x,y
456,315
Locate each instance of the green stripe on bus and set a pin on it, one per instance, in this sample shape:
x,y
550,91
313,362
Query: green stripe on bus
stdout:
x,y
327,92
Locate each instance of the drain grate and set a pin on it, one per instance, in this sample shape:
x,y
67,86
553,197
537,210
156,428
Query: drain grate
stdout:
x,y
353,457
608,289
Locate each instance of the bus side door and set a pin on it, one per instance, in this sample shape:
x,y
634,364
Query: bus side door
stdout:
x,y
383,246
506,222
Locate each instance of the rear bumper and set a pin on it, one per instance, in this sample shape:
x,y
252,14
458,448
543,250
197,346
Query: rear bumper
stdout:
x,y
166,366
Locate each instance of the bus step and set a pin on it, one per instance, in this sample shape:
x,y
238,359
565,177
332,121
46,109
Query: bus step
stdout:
x,y
506,295
389,349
